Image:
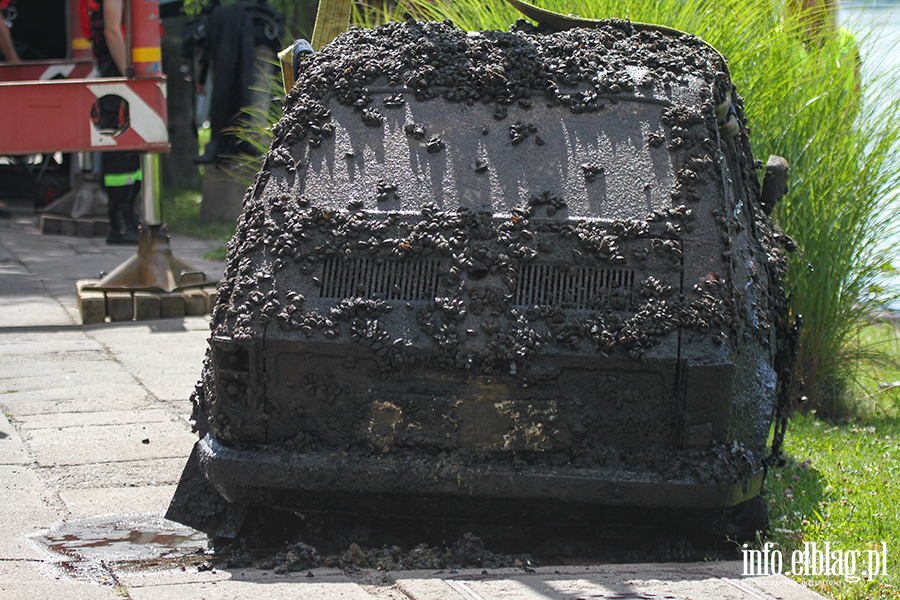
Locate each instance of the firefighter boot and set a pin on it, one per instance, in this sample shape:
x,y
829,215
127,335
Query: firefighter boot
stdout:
x,y
121,231
132,222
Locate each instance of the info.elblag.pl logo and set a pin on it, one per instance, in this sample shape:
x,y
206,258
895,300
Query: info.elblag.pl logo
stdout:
x,y
818,560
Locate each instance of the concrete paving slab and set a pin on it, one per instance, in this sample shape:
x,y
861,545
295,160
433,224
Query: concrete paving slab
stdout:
x,y
13,364
12,450
32,311
166,356
6,258
76,399
778,586
80,419
384,593
26,496
109,443
19,282
10,267
12,393
115,500
426,589
20,478
101,368
26,504
24,580
15,546
624,582
49,381
153,578
271,587
137,473
192,575
179,325
561,587
27,344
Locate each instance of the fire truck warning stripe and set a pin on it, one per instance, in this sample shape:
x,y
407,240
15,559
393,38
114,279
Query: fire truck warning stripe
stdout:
x,y
152,54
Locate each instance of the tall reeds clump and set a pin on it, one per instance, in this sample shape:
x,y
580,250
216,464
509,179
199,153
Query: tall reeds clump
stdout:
x,y
844,155
841,211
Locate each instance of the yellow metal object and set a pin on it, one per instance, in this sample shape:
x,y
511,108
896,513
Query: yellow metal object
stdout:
x,y
285,57
80,44
332,19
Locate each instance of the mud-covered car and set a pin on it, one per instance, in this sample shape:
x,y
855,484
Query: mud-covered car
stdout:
x,y
508,276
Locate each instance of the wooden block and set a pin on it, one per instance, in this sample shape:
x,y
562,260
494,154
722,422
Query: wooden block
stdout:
x,y
211,294
91,305
119,306
188,277
195,302
84,227
101,227
49,224
146,306
67,227
171,306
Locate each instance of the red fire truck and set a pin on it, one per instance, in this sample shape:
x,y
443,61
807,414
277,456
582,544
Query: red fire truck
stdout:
x,y
50,101
52,105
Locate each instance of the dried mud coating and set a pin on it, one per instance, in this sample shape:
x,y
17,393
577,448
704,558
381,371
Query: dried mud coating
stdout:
x,y
468,552
692,277
436,60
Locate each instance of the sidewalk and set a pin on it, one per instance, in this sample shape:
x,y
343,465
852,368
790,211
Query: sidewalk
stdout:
x,y
95,432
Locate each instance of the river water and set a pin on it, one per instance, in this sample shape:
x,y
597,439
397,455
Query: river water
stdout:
x,y
877,27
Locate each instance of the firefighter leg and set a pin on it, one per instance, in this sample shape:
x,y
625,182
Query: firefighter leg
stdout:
x,y
122,177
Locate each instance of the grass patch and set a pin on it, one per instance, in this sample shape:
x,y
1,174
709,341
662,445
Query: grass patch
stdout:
x,y
841,484
181,212
874,385
841,481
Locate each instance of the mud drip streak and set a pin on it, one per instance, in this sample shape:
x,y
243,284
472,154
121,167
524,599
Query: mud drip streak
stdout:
x,y
460,588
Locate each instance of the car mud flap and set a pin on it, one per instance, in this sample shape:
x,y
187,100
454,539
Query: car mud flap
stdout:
x,y
197,504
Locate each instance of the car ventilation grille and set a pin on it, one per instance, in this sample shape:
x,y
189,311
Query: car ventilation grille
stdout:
x,y
575,288
384,280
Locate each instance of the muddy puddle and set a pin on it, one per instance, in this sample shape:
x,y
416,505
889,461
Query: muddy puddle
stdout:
x,y
87,549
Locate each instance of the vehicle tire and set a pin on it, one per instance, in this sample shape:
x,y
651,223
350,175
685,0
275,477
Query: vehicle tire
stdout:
x,y
49,188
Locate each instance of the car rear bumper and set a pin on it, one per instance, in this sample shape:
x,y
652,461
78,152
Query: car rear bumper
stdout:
x,y
311,481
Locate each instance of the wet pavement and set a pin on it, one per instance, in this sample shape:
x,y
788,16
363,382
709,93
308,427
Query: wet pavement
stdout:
x,y
94,433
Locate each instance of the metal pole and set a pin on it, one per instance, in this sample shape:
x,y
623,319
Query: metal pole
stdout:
x,y
144,49
150,189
